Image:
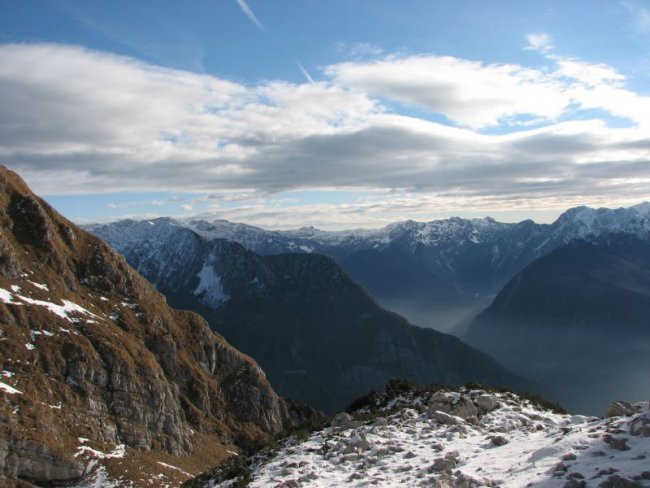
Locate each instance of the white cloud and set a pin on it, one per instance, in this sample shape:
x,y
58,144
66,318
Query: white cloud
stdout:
x,y
81,121
359,49
540,41
468,92
591,74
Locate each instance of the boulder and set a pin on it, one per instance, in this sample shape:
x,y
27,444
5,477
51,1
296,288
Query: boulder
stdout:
x,y
342,420
465,409
358,443
619,409
640,427
445,418
498,440
486,403
442,401
616,481
618,443
444,465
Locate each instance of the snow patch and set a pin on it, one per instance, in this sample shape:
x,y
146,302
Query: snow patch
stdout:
x,y
9,389
175,468
62,311
40,286
210,287
118,452
7,297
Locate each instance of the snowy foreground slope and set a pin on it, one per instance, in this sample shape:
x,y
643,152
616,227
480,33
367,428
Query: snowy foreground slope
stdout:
x,y
461,439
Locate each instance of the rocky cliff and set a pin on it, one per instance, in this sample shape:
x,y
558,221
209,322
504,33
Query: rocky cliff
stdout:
x,y
99,377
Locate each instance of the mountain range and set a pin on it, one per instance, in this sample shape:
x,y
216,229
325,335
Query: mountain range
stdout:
x,y
320,337
437,274
565,313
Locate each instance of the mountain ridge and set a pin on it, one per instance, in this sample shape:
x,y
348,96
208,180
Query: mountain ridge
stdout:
x,y
577,318
98,376
438,274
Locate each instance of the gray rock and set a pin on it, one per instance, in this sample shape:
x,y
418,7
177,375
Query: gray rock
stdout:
x,y
290,484
36,462
358,443
381,421
440,401
576,476
498,440
618,443
465,409
616,481
444,465
619,409
486,403
444,418
342,420
575,484
640,427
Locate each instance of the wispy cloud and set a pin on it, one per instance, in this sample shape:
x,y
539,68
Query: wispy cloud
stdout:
x,y
540,41
250,14
640,15
359,49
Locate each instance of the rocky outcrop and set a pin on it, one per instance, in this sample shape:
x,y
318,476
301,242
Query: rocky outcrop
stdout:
x,y
95,366
518,443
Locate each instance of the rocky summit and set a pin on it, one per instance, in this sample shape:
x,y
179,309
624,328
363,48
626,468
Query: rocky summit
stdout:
x,y
100,380
452,439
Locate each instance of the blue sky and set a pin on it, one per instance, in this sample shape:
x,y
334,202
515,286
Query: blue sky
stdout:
x,y
335,114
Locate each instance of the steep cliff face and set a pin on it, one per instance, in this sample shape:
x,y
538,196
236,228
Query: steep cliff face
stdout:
x,y
98,375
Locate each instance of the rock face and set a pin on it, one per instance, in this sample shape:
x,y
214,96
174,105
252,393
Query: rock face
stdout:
x,y
577,320
319,336
94,365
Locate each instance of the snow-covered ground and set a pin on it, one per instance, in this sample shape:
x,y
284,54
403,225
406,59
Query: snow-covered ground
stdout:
x,y
463,440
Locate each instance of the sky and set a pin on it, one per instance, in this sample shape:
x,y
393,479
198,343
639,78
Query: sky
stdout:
x,y
337,114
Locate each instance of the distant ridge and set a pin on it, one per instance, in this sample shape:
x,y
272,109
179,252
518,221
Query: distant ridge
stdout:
x,y
437,274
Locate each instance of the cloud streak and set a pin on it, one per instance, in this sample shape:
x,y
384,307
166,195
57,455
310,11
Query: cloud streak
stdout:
x,y
305,73
250,14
